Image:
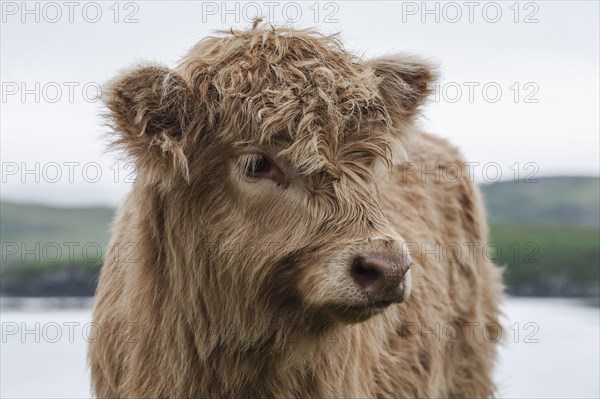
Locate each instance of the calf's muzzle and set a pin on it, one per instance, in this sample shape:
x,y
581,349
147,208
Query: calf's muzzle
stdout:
x,y
379,276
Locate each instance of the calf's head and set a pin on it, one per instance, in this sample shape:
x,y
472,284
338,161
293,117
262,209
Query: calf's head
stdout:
x,y
264,150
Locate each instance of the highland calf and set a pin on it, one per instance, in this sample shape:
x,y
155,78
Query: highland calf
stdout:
x,y
274,228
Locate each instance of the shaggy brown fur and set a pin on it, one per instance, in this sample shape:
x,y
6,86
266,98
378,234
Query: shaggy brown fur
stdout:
x,y
239,285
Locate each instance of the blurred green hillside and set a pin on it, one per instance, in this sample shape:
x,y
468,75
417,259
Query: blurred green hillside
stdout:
x,y
51,251
573,201
38,223
547,234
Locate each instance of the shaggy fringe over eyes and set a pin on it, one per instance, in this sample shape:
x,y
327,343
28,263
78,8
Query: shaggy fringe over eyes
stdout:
x,y
298,86
298,91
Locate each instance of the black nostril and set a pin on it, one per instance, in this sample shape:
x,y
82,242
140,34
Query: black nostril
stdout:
x,y
363,272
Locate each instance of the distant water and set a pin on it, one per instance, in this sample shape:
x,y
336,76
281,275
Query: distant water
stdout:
x,y
46,356
553,351
565,360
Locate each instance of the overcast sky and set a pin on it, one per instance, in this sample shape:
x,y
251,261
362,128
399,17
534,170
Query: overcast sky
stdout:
x,y
519,87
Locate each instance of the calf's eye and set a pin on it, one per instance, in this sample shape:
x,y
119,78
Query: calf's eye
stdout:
x,y
259,166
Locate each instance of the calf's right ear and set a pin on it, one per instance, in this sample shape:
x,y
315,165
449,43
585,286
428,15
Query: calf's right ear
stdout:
x,y
406,82
152,110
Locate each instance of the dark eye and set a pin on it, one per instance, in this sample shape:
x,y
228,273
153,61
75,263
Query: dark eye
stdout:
x,y
259,166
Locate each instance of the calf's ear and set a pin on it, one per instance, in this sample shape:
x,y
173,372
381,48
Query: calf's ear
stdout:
x,y
151,110
406,82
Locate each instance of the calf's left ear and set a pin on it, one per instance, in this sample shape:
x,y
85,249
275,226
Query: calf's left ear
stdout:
x,y
151,109
406,82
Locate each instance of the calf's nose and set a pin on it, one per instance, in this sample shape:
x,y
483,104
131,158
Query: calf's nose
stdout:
x,y
379,275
